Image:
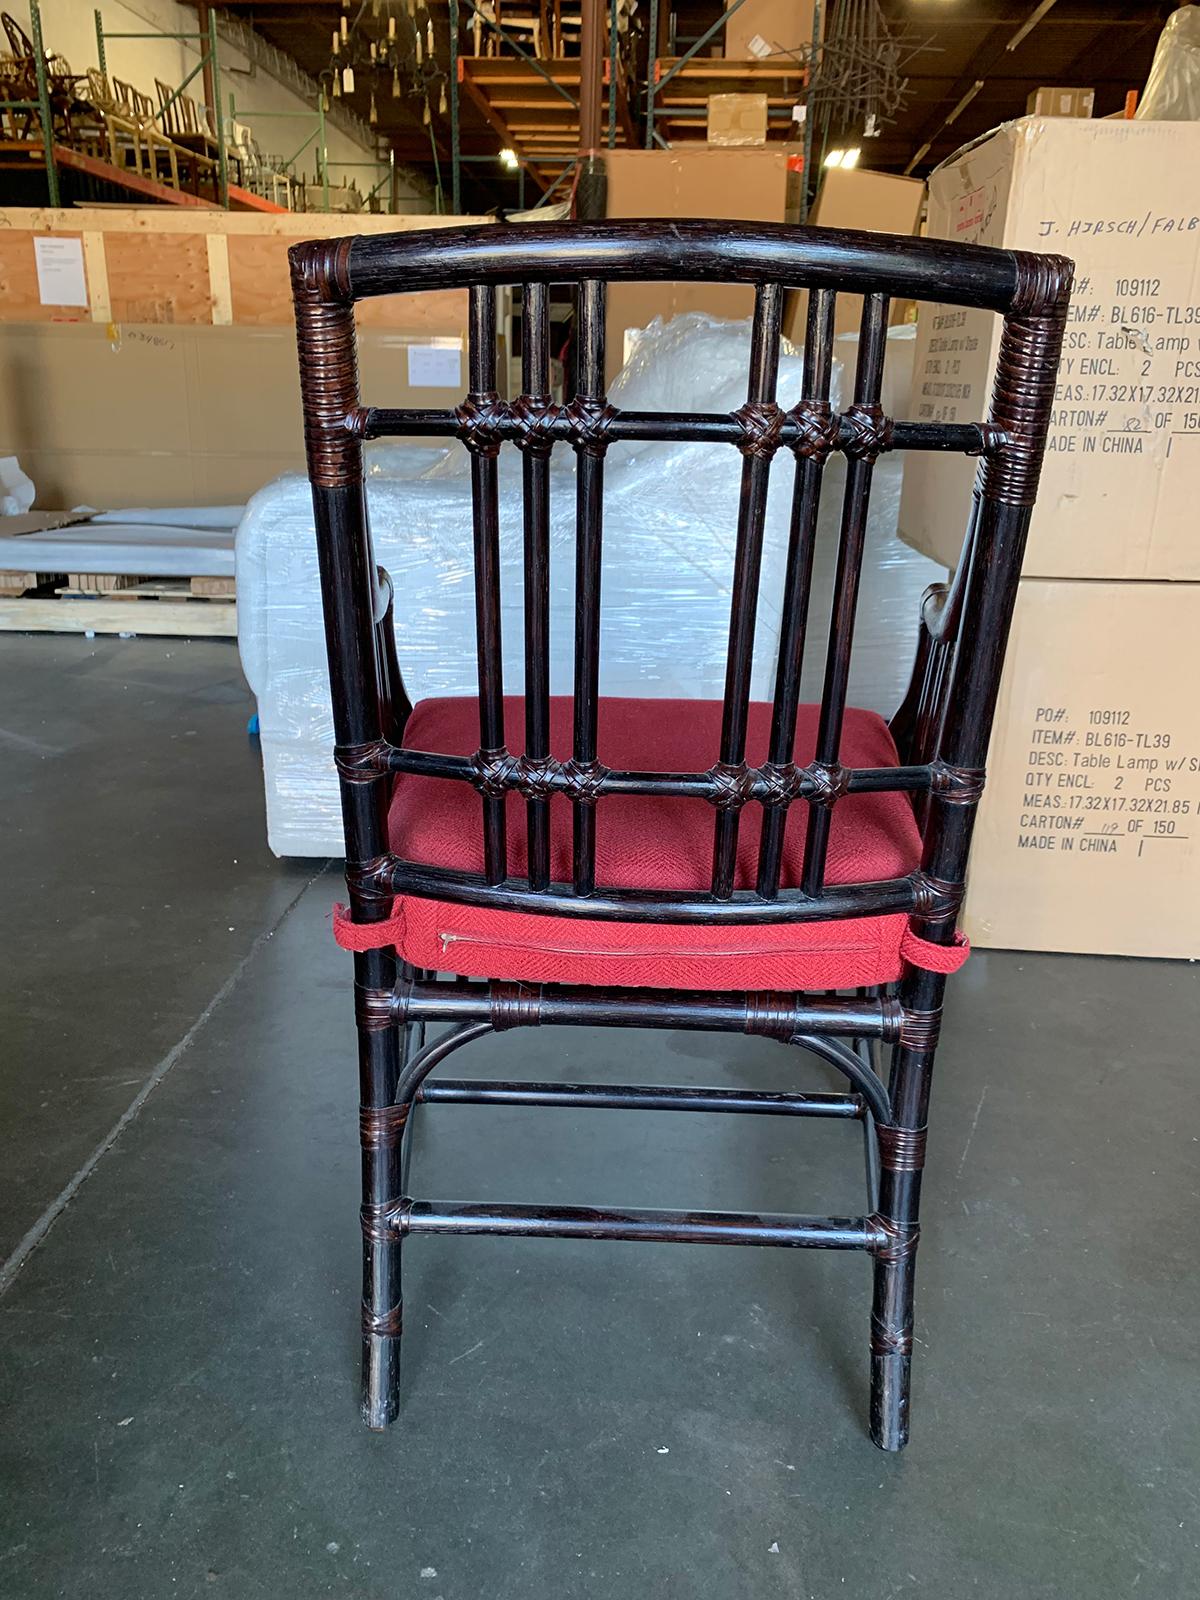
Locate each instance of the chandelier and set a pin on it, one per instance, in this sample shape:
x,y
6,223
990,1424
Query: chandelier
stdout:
x,y
388,50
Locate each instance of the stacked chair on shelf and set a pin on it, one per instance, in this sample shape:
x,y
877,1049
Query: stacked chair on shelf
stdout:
x,y
171,140
18,76
189,127
131,132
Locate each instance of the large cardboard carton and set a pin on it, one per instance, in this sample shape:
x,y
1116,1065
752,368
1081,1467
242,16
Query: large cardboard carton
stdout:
x,y
760,29
1088,836
878,202
160,415
734,185
1119,488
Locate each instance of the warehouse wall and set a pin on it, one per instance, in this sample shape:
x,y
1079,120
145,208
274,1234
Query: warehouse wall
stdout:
x,y
68,29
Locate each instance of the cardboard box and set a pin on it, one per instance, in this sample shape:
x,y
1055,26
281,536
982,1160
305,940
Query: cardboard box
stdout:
x,y
1088,836
759,29
740,185
1119,487
185,415
1061,102
737,119
878,202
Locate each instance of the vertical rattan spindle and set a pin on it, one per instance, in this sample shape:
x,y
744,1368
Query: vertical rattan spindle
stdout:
x,y
536,446
590,417
761,420
812,445
484,446
866,437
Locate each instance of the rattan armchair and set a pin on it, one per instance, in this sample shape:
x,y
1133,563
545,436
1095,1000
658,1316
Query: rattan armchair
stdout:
x,y
783,870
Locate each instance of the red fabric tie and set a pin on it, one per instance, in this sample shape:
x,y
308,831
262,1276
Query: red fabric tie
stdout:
x,y
935,957
366,935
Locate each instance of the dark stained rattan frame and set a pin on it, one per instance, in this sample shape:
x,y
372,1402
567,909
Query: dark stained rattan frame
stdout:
x,y
942,728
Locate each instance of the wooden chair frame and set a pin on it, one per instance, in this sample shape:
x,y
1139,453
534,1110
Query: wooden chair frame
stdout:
x,y
942,729
130,126
188,127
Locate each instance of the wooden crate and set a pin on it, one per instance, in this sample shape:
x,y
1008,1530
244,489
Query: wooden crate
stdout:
x,y
176,384
154,264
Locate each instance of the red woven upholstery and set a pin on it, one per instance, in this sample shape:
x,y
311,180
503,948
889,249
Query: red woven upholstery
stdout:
x,y
649,843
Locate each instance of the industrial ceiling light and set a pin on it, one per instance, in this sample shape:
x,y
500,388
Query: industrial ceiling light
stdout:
x,y
508,158
843,158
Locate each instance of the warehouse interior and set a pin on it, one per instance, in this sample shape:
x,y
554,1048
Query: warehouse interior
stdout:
x,y
186,1136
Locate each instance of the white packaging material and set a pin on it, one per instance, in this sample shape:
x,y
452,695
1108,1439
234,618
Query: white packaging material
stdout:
x,y
226,517
16,489
141,549
670,522
1172,92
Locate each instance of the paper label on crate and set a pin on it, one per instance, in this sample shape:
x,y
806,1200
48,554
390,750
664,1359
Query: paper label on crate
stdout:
x,y
759,47
61,278
436,365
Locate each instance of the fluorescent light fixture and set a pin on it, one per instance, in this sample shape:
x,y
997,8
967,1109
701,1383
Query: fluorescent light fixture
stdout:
x,y
843,158
508,158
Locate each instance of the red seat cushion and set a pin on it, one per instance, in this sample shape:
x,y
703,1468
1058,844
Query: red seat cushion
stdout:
x,y
650,843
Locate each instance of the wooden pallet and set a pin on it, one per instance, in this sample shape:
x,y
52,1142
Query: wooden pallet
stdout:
x,y
91,602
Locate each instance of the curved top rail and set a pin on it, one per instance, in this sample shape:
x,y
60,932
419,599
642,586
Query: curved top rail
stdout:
x,y
728,252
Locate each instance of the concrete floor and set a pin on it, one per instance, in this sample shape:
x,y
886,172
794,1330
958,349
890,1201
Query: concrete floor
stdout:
x,y
178,1355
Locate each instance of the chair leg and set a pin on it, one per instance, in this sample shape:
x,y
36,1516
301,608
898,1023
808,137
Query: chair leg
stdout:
x,y
901,1160
381,1124
891,1344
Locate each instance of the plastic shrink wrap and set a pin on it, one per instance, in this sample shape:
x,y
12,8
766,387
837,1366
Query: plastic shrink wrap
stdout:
x,y
1172,92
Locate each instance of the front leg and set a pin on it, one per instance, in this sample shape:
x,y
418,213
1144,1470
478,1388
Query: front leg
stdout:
x,y
901,1160
381,1126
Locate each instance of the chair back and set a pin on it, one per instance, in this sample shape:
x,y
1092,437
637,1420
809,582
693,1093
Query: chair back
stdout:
x,y
948,719
170,108
19,41
99,90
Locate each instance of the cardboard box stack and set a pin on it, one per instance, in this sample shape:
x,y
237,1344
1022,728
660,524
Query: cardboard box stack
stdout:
x,y
852,197
748,185
743,185
1088,837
